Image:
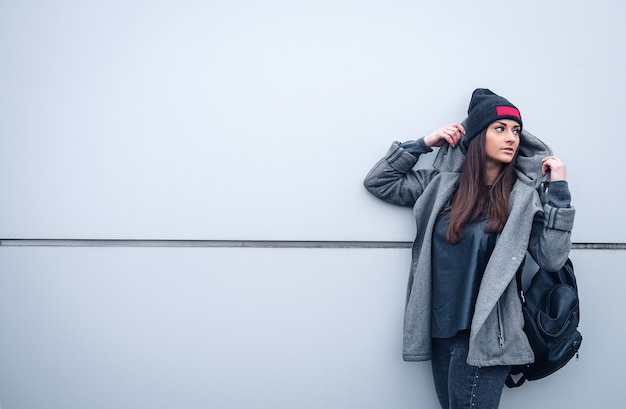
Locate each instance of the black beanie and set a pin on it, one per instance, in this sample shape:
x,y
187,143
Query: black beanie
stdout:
x,y
484,108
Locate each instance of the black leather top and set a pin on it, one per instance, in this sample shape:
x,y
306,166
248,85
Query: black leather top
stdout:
x,y
457,272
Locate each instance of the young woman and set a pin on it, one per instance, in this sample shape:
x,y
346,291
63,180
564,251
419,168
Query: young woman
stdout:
x,y
478,211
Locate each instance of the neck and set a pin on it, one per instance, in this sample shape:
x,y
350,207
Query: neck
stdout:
x,y
492,170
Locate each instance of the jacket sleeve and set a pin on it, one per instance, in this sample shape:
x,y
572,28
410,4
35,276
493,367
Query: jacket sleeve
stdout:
x,y
550,240
393,179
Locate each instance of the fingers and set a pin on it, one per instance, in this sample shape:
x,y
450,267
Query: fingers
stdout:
x,y
556,167
452,133
545,164
548,163
460,128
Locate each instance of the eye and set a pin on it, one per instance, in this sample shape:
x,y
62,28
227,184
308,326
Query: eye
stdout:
x,y
516,131
499,128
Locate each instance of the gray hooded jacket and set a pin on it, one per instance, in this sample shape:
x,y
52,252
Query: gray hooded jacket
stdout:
x,y
496,334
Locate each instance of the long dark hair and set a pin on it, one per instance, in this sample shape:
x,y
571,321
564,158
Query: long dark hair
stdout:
x,y
472,197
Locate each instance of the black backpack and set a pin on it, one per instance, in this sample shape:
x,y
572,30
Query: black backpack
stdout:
x,y
551,315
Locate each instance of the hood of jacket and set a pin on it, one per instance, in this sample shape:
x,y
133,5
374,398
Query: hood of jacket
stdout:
x,y
531,152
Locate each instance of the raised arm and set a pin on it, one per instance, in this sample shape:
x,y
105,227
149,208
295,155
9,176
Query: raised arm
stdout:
x,y
550,241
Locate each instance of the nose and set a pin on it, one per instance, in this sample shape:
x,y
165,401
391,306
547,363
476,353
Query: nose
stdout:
x,y
510,136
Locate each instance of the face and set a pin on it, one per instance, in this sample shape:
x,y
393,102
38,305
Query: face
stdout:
x,y
502,140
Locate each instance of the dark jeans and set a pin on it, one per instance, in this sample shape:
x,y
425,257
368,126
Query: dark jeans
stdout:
x,y
462,386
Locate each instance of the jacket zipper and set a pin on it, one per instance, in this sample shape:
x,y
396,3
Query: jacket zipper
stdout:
x,y
500,326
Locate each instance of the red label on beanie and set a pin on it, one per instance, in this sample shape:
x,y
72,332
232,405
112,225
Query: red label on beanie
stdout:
x,y
505,110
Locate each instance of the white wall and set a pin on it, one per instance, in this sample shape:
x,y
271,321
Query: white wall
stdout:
x,y
216,120
252,328
257,120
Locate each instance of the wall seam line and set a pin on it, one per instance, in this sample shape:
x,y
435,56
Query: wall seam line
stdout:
x,y
246,243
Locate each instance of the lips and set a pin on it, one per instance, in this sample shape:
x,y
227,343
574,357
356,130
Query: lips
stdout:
x,y
508,150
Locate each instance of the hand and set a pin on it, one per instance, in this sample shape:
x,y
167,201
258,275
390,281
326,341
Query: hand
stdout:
x,y
448,133
556,167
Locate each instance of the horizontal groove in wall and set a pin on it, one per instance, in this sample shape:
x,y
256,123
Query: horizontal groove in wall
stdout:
x,y
246,244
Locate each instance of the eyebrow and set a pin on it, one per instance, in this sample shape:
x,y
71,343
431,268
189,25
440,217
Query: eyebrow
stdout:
x,y
505,124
